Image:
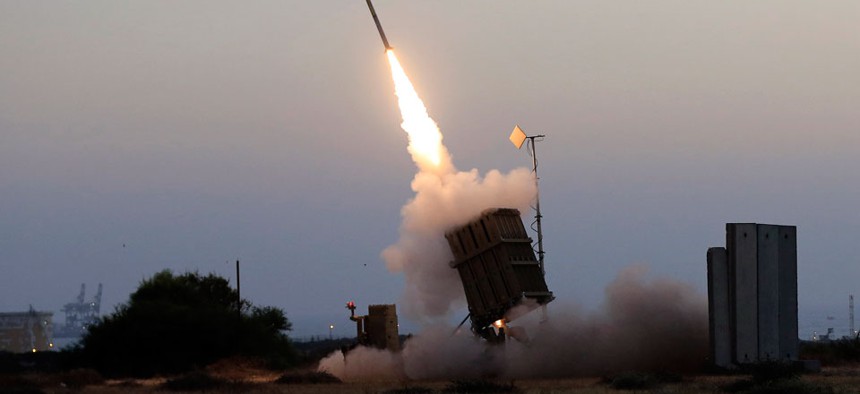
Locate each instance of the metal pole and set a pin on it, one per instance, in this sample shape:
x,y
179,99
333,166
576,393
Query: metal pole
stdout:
x,y
538,215
238,292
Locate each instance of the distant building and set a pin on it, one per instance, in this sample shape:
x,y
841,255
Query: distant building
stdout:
x,y
22,332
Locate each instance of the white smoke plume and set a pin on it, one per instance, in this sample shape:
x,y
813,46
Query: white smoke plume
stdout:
x,y
441,203
444,199
645,325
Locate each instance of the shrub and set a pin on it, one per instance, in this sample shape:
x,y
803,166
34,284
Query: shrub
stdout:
x,y
195,319
842,351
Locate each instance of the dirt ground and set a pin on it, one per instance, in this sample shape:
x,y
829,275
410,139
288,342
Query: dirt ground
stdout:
x,y
703,384
830,380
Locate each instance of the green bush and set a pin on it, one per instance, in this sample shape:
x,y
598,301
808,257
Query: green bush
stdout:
x,y
175,323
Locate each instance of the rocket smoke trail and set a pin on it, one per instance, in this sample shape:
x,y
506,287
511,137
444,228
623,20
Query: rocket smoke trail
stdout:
x,y
444,198
645,325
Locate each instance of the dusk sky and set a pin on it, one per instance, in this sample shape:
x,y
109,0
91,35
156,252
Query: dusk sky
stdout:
x,y
142,135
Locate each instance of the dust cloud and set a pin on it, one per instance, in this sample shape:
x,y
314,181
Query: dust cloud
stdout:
x,y
644,325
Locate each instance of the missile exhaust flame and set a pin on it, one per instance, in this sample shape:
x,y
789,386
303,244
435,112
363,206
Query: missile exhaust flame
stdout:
x,y
425,139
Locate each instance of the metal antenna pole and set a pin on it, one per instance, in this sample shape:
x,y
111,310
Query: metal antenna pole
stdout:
x,y
538,215
238,292
517,137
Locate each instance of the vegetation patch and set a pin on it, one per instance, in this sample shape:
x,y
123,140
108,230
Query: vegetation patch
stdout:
x,y
774,377
196,319
193,381
480,386
633,381
838,352
783,386
307,377
20,390
17,384
771,371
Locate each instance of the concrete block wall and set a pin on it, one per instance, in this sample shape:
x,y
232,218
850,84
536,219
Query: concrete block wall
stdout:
x,y
752,295
768,292
741,248
788,333
718,307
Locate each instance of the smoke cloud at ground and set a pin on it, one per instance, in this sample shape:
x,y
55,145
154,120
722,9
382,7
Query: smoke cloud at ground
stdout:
x,y
364,364
644,325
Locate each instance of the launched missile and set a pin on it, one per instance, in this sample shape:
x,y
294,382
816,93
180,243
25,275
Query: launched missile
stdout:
x,y
378,26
